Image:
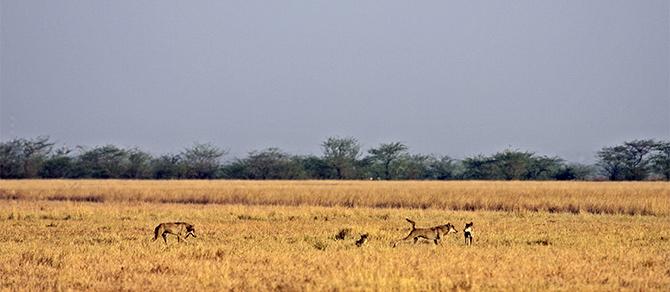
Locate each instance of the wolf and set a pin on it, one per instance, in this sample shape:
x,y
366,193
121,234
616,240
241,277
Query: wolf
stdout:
x,y
432,233
175,228
363,240
467,232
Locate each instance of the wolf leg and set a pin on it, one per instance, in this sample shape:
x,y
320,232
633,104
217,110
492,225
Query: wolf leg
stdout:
x,y
406,238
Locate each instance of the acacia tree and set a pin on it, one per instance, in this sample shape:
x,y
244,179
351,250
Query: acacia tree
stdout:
x,y
415,166
271,163
60,164
35,152
11,159
638,161
629,161
442,168
23,158
342,155
479,167
315,167
511,164
544,167
507,165
386,154
139,164
660,159
202,161
106,161
611,161
167,166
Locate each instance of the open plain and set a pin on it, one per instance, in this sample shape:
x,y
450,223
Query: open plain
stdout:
x,y
283,235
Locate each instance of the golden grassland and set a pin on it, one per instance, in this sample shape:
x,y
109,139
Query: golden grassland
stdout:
x,y
96,235
632,198
92,246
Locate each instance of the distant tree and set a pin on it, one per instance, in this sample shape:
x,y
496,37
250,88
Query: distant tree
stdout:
x,y
60,164
480,167
342,154
202,161
35,152
106,161
512,164
23,158
11,159
637,161
629,161
236,169
385,155
295,168
315,167
544,167
660,159
411,166
612,161
272,163
167,166
575,171
442,168
139,164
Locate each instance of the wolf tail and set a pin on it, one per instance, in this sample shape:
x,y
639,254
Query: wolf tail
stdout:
x,y
411,222
157,230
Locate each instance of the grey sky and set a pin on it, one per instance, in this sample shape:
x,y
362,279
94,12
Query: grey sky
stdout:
x,y
448,77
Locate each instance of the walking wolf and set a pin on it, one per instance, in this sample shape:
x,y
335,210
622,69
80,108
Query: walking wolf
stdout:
x,y
431,233
175,228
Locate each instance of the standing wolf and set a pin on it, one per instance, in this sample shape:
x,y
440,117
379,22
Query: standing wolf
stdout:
x,y
431,233
175,228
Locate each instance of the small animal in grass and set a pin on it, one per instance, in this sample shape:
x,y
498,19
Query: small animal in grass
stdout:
x,y
431,233
175,228
362,240
468,232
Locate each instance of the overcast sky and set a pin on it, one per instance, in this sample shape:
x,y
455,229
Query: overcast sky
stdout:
x,y
446,77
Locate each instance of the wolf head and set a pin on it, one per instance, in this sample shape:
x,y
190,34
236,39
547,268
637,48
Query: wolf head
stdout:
x,y
450,228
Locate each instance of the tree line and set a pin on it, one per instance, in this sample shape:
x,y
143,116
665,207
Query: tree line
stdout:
x,y
341,158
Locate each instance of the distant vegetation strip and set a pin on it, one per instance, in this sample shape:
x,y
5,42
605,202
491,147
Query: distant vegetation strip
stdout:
x,y
627,198
341,158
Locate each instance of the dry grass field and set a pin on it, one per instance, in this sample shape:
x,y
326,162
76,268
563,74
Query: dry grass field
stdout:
x,y
96,235
631,198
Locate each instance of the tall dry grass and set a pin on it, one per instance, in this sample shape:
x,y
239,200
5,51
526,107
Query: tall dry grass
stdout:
x,y
632,198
